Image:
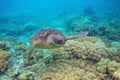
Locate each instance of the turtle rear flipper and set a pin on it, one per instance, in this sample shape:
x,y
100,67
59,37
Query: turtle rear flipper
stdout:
x,y
78,36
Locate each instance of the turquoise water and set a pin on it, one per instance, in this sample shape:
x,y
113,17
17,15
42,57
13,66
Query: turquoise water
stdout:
x,y
21,19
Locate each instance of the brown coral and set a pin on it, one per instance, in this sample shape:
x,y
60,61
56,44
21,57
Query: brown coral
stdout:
x,y
3,60
69,70
116,75
91,49
110,68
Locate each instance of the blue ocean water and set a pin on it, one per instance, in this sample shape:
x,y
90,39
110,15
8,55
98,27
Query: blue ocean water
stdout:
x,y
20,13
20,19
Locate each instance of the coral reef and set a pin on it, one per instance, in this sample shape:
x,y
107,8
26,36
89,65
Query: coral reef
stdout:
x,y
116,75
23,72
69,70
5,45
112,67
75,55
101,66
87,49
108,29
108,67
90,59
79,23
21,47
25,76
3,60
75,59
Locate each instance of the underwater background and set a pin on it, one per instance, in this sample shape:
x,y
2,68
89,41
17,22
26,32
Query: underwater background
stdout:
x,y
94,57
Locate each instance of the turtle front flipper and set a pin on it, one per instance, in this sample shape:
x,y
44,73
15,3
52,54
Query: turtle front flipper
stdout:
x,y
30,52
78,36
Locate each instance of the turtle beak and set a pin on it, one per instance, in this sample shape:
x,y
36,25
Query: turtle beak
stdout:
x,y
58,41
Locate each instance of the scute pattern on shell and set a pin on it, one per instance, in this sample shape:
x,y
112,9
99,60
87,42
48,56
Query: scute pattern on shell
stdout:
x,y
44,33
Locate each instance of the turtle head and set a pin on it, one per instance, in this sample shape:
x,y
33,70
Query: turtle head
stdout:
x,y
56,38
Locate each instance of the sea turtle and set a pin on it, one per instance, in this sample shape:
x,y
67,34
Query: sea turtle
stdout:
x,y
50,38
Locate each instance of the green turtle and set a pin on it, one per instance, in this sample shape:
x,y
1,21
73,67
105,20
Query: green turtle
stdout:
x,y
50,38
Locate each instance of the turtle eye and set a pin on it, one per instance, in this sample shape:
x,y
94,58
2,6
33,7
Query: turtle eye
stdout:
x,y
56,33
